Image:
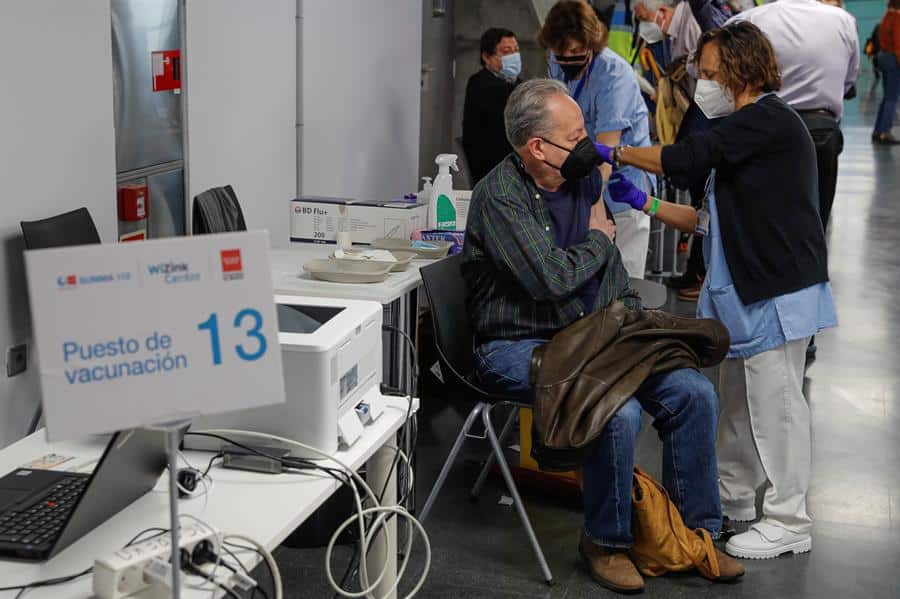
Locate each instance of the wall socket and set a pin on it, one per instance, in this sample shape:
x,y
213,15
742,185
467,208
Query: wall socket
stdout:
x,y
16,359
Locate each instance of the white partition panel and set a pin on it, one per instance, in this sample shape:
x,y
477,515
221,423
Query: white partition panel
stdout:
x,y
241,96
361,64
57,153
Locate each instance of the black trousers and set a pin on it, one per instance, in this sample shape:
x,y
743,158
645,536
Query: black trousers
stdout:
x,y
829,141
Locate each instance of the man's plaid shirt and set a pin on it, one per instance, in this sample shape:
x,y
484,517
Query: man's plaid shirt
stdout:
x,y
519,284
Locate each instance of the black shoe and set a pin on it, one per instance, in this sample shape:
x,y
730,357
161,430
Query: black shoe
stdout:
x,y
685,281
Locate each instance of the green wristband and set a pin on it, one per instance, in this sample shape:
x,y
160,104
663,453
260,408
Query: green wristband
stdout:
x,y
654,206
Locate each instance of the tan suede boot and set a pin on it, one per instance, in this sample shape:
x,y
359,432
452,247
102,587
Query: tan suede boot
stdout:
x,y
730,569
609,568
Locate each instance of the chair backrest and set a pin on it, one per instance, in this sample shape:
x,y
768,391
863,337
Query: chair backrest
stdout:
x,y
217,210
446,291
70,228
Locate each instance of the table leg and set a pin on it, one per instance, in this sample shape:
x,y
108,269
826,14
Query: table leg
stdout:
x,y
378,471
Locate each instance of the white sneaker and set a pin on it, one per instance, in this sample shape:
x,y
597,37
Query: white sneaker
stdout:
x,y
765,541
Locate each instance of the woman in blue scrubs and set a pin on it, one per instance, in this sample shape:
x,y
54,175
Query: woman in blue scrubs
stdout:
x,y
605,87
767,277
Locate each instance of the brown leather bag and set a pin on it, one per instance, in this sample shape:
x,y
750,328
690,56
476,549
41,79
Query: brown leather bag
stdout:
x,y
662,543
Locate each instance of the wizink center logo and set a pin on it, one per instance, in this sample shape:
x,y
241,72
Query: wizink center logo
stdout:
x,y
173,272
232,267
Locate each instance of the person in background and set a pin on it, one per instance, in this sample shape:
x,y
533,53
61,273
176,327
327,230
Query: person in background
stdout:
x,y
767,278
888,63
679,24
603,85
660,21
539,256
817,46
483,137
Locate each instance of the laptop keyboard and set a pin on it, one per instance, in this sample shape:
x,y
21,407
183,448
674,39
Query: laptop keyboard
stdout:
x,y
42,522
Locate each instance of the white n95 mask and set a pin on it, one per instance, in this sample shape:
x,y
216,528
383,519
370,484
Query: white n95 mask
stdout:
x,y
713,98
650,32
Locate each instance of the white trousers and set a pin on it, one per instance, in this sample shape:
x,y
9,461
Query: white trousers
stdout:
x,y
764,436
633,239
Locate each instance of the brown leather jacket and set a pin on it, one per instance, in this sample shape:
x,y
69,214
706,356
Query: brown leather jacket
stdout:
x,y
592,367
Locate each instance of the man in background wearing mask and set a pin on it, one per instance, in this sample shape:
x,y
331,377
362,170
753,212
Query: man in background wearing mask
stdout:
x,y
817,47
483,138
538,256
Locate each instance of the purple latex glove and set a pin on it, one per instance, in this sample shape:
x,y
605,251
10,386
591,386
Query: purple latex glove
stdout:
x,y
623,190
604,151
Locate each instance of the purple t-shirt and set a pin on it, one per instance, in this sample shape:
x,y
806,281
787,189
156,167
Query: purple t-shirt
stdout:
x,y
570,213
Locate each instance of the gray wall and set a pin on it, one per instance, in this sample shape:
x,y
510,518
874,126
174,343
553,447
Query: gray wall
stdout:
x,y
437,89
471,19
57,152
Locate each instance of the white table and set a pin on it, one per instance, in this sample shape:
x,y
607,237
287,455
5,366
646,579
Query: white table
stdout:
x,y
264,507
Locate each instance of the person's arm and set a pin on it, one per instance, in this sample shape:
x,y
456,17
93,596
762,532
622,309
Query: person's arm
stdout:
x,y
852,40
546,272
647,159
681,217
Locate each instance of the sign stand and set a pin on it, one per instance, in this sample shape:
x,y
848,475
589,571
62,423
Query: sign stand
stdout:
x,y
173,438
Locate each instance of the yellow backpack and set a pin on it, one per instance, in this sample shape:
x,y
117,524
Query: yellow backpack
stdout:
x,y
673,95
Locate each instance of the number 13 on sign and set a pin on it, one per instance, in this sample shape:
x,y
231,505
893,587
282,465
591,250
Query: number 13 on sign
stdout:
x,y
250,322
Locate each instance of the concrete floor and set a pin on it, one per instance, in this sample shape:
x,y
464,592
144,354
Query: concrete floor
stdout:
x,y
480,550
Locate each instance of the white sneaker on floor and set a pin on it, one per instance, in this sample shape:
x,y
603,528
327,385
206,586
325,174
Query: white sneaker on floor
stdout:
x,y
765,541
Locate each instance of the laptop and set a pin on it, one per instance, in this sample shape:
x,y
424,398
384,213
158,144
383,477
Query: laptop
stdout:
x,y
44,511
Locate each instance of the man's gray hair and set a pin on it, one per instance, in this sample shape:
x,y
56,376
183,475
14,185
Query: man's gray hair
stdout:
x,y
526,113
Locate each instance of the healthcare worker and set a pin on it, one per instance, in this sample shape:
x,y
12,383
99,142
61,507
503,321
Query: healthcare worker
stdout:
x,y
767,278
604,86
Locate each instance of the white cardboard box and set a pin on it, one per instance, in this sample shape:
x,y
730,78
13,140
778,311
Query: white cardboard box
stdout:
x,y
316,219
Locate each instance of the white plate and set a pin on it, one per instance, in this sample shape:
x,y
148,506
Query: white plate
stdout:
x,y
348,271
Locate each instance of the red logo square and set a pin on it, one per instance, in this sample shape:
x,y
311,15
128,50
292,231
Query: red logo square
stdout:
x,y
71,280
231,261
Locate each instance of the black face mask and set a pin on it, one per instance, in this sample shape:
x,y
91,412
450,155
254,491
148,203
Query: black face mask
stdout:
x,y
582,159
570,71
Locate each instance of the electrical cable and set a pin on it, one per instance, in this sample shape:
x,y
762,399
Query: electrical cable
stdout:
x,y
267,557
365,534
64,579
226,544
238,561
190,568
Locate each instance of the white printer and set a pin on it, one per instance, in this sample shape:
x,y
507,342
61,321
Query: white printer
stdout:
x,y
331,355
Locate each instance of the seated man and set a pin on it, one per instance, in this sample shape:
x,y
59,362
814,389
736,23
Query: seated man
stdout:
x,y
539,255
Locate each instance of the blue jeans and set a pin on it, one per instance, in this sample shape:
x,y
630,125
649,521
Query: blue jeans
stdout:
x,y
685,410
890,79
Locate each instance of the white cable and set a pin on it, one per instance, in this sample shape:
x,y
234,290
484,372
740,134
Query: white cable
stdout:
x,y
365,535
399,511
363,570
273,566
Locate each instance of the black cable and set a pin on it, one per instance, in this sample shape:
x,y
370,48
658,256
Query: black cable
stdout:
x,y
192,569
258,586
255,550
64,579
212,460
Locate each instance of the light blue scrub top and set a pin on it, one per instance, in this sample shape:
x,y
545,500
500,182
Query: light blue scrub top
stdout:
x,y
610,100
765,324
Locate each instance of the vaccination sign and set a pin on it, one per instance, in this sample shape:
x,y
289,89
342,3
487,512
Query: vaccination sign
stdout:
x,y
141,333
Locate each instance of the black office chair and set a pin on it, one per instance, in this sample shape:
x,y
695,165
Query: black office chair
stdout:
x,y
217,210
70,228
454,340
66,229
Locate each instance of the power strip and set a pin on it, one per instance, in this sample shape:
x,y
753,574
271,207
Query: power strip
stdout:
x,y
122,574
